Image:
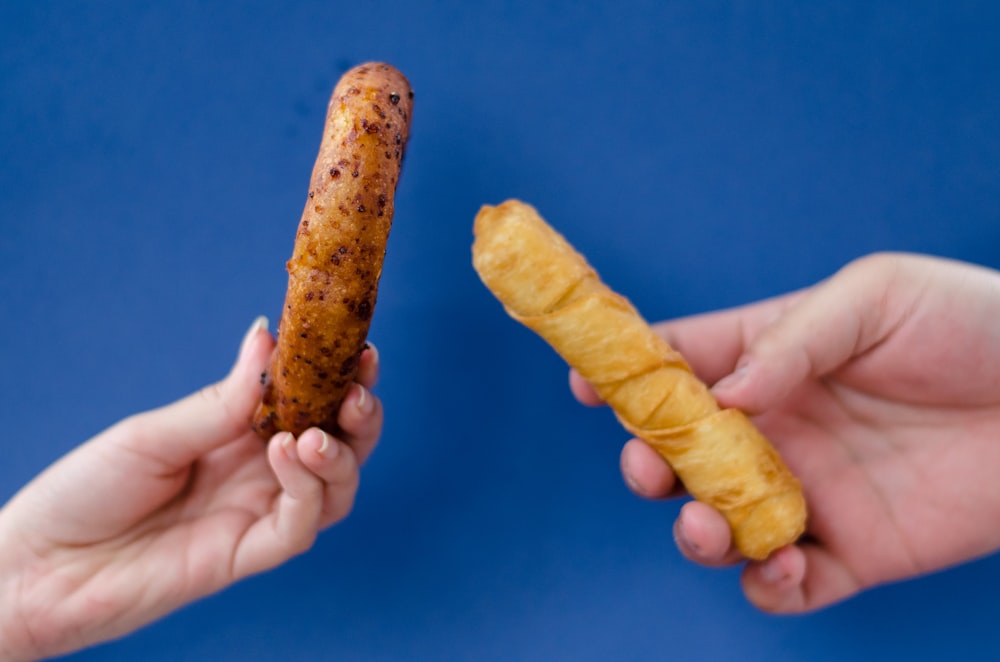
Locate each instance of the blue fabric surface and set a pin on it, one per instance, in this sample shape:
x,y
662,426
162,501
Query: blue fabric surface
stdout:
x,y
155,158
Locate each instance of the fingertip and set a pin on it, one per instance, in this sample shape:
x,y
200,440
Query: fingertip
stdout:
x,y
316,445
583,391
281,447
360,420
361,399
368,370
359,411
254,355
740,389
776,583
703,535
259,324
645,472
735,379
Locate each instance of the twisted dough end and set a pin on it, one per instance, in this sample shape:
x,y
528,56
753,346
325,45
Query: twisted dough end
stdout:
x,y
771,524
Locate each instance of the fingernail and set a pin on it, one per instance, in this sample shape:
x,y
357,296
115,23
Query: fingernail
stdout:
x,y
324,445
734,378
258,324
362,397
772,572
288,445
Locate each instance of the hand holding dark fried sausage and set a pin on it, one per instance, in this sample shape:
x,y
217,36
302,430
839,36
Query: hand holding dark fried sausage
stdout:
x,y
171,505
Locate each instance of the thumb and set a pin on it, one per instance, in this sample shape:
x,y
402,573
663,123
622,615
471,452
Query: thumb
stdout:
x,y
822,331
183,431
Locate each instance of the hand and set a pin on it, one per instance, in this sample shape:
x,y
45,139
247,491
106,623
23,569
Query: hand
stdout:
x,y
171,505
880,387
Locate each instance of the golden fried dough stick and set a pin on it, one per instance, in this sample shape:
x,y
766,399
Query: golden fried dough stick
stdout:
x,y
720,455
339,249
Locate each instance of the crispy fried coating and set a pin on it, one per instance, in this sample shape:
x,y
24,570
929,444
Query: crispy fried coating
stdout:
x,y
340,246
720,456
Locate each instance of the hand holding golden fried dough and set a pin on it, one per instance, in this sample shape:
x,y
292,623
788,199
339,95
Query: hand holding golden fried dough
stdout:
x,y
720,455
339,249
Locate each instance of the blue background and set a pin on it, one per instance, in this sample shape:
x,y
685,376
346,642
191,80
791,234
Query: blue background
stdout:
x,y
154,158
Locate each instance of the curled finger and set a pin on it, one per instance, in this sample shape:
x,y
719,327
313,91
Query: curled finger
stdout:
x,y
703,536
290,525
336,465
360,421
647,473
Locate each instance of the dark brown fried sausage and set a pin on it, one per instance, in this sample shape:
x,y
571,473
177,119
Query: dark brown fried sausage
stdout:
x,y
339,250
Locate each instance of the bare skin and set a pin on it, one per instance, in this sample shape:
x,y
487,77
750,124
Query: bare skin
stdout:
x,y
171,505
881,388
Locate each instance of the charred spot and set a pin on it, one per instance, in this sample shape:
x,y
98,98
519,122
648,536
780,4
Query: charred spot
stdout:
x,y
267,427
361,209
364,309
372,128
322,375
303,335
353,90
342,250
325,351
399,138
349,364
263,378
310,295
394,99
334,173
335,259
317,386
354,174
311,195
